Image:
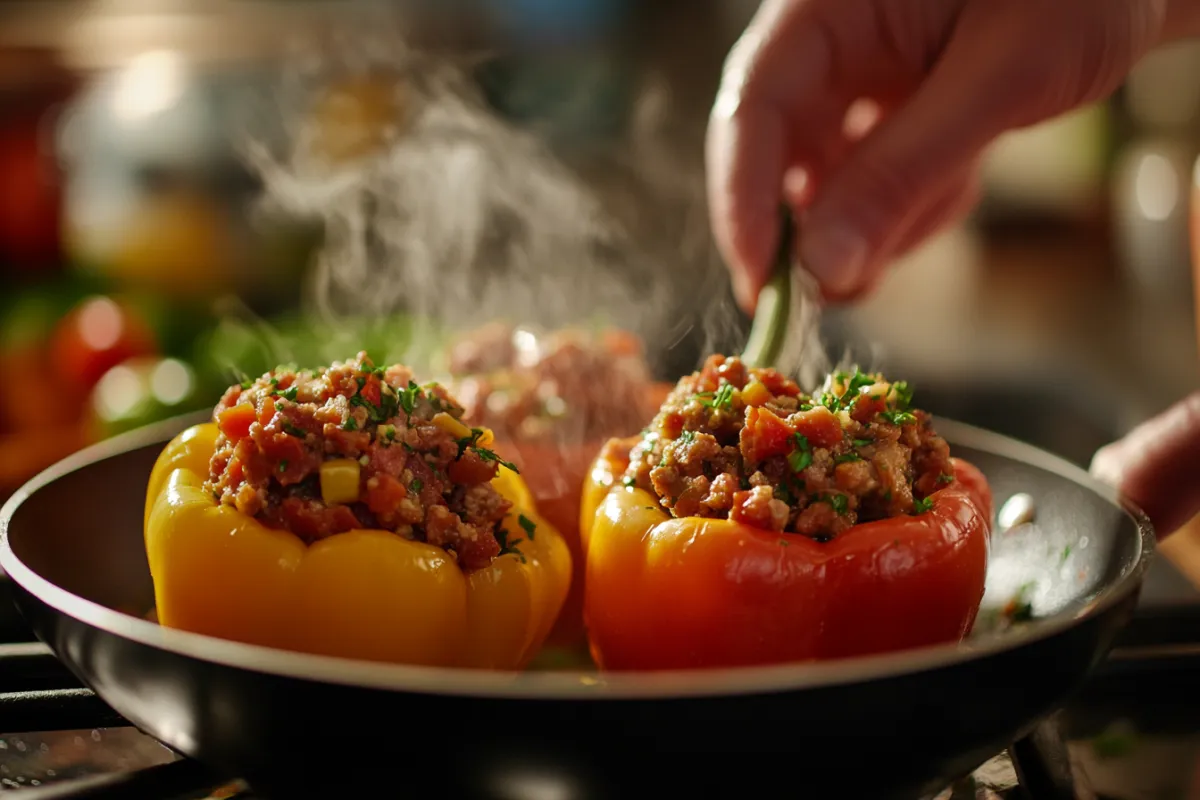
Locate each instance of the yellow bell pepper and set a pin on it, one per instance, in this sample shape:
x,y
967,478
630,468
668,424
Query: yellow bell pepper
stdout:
x,y
367,594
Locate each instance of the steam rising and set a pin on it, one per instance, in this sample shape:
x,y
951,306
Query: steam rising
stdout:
x,y
436,207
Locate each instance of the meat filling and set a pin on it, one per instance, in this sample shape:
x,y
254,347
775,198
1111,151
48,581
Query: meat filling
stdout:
x,y
568,386
321,452
746,444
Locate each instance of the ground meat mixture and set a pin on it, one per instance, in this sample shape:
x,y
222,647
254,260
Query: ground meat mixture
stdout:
x,y
320,452
746,444
563,386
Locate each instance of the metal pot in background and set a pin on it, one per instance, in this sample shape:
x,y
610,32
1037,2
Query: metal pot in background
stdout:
x,y
156,193
1151,182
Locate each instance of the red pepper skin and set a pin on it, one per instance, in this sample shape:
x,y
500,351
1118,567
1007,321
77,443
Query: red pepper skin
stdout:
x,y
666,593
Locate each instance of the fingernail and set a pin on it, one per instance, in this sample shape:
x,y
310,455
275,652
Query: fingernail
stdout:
x,y
835,254
1104,467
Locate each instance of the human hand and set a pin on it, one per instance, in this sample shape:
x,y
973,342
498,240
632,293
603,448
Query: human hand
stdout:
x,y
946,77
1156,465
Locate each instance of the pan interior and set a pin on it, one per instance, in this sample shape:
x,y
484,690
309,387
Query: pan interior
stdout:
x,y
81,530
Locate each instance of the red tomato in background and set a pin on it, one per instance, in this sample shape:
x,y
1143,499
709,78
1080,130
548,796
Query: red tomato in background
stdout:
x,y
30,194
97,335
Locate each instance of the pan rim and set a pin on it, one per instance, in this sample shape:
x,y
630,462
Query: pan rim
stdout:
x,y
568,685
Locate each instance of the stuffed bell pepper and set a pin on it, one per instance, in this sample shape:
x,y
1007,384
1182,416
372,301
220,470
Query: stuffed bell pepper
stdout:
x,y
751,523
349,511
553,399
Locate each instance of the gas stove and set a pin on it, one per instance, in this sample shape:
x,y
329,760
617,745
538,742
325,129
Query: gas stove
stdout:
x,y
1133,733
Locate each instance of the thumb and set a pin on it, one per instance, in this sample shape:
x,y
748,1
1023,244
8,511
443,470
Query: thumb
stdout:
x,y
1157,465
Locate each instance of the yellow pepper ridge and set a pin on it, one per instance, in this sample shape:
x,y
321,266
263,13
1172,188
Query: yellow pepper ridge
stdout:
x,y
367,594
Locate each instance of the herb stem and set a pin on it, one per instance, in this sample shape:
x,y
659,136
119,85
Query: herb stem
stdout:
x,y
768,331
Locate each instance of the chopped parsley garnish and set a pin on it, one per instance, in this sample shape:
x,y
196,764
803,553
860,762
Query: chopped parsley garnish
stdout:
x,y
904,395
489,456
847,457
945,478
1020,608
350,424
839,502
293,430
468,441
506,546
527,525
385,410
629,482
290,394
920,506
687,437
801,457
283,464
863,442
858,382
417,484
408,397
722,398
485,454
898,417
279,406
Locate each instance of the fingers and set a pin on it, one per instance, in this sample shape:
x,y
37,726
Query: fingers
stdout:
x,y
908,163
949,207
746,142
1157,464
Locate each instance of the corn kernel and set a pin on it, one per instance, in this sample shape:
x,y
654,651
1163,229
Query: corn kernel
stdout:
x,y
339,481
486,438
451,425
755,394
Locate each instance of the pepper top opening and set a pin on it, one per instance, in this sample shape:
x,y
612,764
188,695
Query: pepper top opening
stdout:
x,y
747,444
321,451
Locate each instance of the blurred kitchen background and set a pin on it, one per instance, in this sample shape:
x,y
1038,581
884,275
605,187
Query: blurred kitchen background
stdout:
x,y
140,271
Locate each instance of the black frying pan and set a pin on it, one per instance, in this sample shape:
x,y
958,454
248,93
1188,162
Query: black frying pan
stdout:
x,y
72,544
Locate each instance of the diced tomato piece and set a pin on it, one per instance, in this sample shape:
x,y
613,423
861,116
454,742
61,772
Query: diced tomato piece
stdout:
x,y
820,426
235,422
765,435
384,493
710,374
370,391
312,521
777,383
866,406
478,552
266,414
290,461
471,469
733,371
